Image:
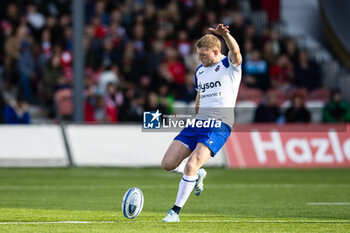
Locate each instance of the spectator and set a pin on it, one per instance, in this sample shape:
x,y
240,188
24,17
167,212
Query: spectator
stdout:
x,y
13,15
269,53
100,30
174,65
35,19
26,69
250,34
307,73
269,111
248,50
89,104
194,32
110,75
291,50
276,42
183,44
265,36
52,73
118,36
12,54
173,13
297,113
46,45
129,67
100,11
155,56
132,108
138,40
16,112
256,70
166,99
192,61
5,32
39,62
100,113
56,30
282,74
113,100
68,38
64,103
337,109
188,92
238,28
51,79
153,103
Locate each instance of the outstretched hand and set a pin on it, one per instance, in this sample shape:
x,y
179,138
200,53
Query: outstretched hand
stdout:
x,y
220,30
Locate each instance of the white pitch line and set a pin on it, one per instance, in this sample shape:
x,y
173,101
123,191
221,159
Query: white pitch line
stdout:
x,y
328,203
183,221
91,187
56,222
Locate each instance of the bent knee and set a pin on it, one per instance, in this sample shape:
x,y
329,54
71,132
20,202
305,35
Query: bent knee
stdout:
x,y
166,165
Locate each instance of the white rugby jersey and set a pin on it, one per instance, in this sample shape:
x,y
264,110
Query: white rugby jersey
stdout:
x,y
218,88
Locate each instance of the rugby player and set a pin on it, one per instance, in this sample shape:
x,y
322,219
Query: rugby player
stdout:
x,y
217,83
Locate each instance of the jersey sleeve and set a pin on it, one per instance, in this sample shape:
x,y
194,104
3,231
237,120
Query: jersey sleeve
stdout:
x,y
196,82
227,63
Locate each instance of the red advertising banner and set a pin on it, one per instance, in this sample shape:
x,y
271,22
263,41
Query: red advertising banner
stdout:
x,y
308,146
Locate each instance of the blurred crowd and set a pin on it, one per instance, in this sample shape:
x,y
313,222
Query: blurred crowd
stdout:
x,y
140,55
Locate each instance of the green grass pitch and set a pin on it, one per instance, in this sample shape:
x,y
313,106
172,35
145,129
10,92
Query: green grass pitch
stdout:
x,y
89,200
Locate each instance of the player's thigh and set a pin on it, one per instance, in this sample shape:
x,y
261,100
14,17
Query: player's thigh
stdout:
x,y
175,154
197,159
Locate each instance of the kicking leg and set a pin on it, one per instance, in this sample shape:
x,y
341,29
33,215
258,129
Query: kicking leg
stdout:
x,y
176,153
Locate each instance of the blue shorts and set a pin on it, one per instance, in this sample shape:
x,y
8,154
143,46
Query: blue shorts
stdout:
x,y
213,138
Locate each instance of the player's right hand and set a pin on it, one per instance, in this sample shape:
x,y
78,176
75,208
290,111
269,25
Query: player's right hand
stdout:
x,y
220,30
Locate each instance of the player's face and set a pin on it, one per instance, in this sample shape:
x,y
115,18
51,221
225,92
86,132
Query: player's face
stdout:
x,y
206,56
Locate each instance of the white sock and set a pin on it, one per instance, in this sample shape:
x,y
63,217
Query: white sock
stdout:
x,y
186,185
181,168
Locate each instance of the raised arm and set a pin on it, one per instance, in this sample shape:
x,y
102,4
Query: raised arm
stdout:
x,y
234,53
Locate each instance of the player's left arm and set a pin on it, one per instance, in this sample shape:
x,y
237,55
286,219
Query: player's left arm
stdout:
x,y
234,53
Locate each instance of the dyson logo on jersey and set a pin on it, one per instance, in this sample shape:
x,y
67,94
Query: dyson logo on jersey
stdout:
x,y
206,86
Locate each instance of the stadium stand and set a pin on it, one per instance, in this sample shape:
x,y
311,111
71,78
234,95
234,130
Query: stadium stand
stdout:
x,y
146,50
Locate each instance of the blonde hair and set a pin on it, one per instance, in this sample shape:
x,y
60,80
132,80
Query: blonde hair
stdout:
x,y
209,41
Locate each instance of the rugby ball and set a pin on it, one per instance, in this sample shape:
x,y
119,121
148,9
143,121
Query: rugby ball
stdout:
x,y
132,203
